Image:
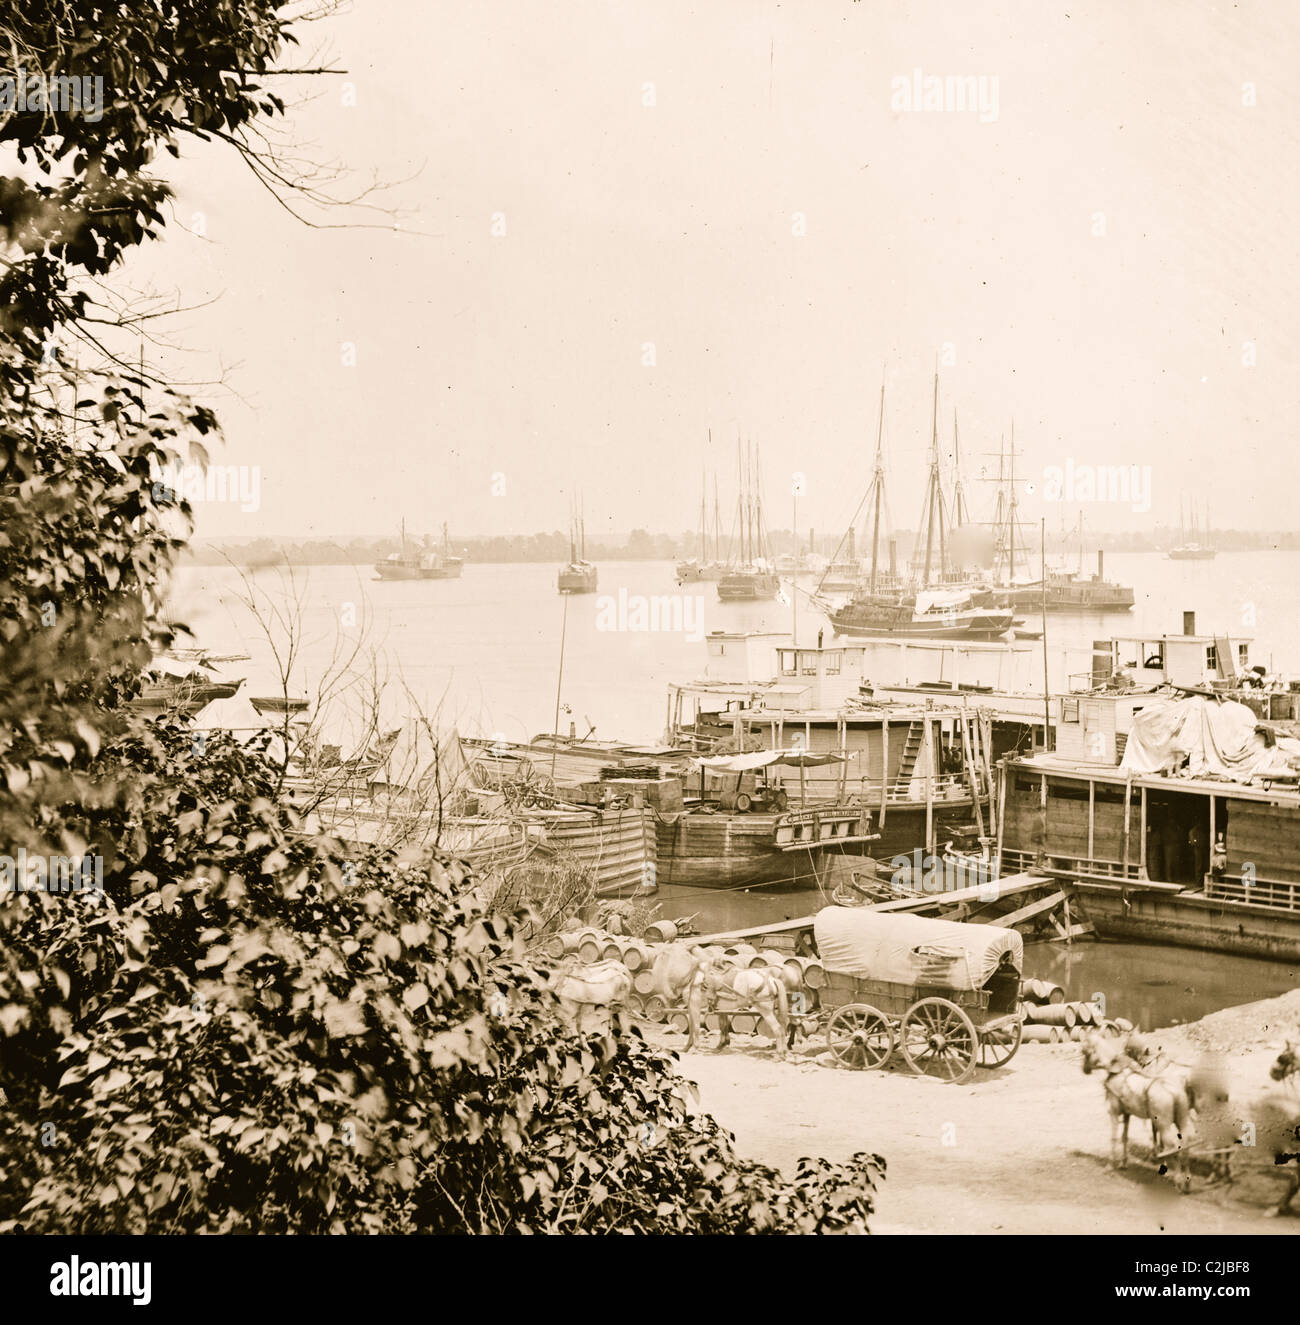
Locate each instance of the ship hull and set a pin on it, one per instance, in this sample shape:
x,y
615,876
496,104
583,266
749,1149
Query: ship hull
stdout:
x,y
747,588
577,581
390,573
978,625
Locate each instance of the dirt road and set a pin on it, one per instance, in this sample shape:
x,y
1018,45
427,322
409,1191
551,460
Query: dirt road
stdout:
x,y
1025,1150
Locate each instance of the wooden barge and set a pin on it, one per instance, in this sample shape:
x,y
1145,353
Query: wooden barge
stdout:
x,y
1198,862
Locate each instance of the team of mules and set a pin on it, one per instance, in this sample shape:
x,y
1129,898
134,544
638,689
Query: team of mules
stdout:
x,y
1186,1105
687,976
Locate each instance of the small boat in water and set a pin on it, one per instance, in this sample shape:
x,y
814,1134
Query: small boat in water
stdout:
x,y
579,576
279,704
409,563
179,685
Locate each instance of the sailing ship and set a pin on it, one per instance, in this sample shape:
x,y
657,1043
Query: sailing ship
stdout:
x,y
1189,546
413,563
881,606
753,577
579,576
705,568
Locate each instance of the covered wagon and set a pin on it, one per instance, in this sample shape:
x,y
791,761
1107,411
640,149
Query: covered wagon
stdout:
x,y
944,994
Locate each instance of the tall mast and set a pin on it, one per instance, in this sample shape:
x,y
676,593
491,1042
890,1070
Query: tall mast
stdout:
x,y
740,497
1012,509
934,493
704,488
717,521
582,525
878,482
758,504
573,529
960,515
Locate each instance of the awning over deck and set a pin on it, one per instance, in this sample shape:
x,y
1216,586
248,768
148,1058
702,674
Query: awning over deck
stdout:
x,y
762,758
912,950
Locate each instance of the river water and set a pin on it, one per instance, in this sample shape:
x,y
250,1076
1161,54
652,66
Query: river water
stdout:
x,y
483,653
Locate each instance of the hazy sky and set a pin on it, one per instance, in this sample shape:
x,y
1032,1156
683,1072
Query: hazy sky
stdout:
x,y
730,182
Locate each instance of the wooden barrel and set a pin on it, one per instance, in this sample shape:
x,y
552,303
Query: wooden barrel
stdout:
x,y
591,947
635,955
1042,991
740,950
611,951
645,981
744,1023
814,975
654,1007
1079,1032
634,1005
795,964
791,977
1085,1014
572,939
679,1021
554,946
1040,1035
661,931
1050,1014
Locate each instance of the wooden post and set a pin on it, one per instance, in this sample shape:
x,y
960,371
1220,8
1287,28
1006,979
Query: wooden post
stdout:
x,y
1003,775
884,767
1128,817
928,748
1142,854
968,763
1092,816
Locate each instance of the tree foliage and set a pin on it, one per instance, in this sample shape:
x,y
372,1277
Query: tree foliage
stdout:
x,y
251,1029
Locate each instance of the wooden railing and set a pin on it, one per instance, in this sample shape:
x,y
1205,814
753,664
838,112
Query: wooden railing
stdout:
x,y
1277,893
1027,862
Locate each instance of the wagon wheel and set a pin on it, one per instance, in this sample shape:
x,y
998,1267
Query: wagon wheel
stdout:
x,y
998,1047
939,1040
859,1036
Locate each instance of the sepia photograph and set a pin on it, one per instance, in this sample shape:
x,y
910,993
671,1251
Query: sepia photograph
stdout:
x,y
648,618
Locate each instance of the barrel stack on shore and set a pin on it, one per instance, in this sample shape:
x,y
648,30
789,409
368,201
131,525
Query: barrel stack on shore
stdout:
x,y
653,1001
1049,1019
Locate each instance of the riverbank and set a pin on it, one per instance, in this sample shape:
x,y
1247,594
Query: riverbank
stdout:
x,y
1023,1150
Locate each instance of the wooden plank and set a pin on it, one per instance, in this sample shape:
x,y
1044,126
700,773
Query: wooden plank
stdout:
x,y
1033,909
1008,887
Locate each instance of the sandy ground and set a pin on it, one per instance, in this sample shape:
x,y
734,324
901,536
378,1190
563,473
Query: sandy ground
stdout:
x,y
1022,1150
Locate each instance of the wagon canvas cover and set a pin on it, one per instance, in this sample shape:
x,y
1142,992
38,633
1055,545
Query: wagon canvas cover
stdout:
x,y
912,950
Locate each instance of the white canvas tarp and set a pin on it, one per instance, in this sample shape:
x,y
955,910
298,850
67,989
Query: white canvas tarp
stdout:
x,y
1215,739
762,758
912,950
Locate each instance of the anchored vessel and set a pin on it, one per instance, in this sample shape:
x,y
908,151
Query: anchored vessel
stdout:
x,y
579,576
705,567
1191,546
411,563
753,578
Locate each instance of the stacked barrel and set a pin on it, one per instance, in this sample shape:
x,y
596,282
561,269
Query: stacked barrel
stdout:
x,y
650,998
1049,1019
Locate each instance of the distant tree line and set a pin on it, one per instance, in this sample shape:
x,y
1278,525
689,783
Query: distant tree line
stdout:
x,y
641,545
